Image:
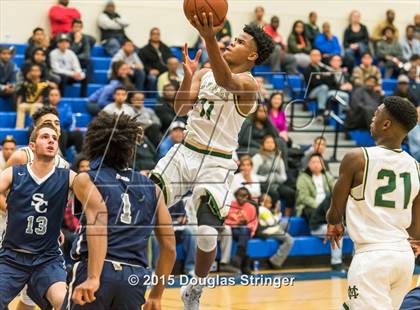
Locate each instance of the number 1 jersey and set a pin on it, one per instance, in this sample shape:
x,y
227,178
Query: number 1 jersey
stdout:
x,y
380,209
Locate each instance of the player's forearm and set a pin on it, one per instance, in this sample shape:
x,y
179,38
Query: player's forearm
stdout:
x,y
334,215
221,71
164,267
183,101
96,233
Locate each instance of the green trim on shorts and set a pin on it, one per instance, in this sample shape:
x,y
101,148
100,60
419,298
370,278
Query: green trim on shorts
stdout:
x,y
163,187
345,306
214,208
206,152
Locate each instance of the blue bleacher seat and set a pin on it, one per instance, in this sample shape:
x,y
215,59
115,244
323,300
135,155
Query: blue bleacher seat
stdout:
x,y
18,60
6,104
82,119
101,63
278,81
98,51
7,119
78,105
389,85
362,137
20,48
74,90
177,52
297,226
101,77
21,135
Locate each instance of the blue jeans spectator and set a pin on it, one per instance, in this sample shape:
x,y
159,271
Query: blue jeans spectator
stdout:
x,y
138,79
352,57
320,93
112,46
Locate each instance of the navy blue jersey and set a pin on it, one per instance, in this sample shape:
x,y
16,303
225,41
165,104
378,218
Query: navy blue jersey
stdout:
x,y
131,202
35,210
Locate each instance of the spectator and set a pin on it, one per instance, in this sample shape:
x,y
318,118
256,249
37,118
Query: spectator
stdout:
x,y
299,45
246,178
356,40
311,28
80,44
403,90
277,115
259,17
314,187
165,107
263,94
146,156
37,40
61,17
172,75
378,32
155,56
120,104
8,147
364,102
64,63
225,35
341,86
417,26
414,139
225,241
270,167
327,43
279,57
176,136
30,95
271,227
129,56
389,53
8,72
38,57
68,137
243,220
365,70
147,117
410,44
103,96
414,80
319,146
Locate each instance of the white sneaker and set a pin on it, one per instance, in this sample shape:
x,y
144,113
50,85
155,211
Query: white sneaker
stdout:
x,y
191,297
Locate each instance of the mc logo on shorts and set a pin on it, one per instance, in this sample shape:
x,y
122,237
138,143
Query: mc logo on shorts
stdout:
x,y
353,292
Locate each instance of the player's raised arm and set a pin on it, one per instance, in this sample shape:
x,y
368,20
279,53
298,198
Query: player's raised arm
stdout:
x,y
5,181
166,237
96,214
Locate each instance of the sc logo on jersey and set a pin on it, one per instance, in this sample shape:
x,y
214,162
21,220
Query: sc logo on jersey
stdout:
x,y
39,203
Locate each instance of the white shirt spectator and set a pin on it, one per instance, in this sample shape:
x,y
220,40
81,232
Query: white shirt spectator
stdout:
x,y
65,63
127,109
320,190
253,187
132,60
105,22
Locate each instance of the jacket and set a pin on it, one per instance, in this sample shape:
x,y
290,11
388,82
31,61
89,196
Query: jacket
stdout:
x,y
292,45
61,18
8,72
153,59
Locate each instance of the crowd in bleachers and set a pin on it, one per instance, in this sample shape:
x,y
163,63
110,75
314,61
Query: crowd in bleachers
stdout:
x,y
81,75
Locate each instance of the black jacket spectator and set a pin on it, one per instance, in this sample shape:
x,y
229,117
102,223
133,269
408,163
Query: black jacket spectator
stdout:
x,y
164,107
8,72
155,54
351,37
37,40
319,75
146,156
38,57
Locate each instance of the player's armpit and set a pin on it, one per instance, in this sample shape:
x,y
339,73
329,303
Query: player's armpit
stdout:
x,y
5,181
414,229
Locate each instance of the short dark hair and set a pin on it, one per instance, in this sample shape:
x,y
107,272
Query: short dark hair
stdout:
x,y
366,53
37,29
372,77
113,138
35,65
388,28
127,41
76,21
8,139
402,110
264,42
120,88
415,57
43,111
410,26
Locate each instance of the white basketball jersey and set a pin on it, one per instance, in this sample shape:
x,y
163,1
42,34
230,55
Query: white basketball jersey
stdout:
x,y
59,161
380,210
216,119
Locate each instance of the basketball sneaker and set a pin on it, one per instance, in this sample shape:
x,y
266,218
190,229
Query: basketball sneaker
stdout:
x,y
190,295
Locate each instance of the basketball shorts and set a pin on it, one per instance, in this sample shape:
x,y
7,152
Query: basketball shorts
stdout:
x,y
122,287
184,170
18,269
379,279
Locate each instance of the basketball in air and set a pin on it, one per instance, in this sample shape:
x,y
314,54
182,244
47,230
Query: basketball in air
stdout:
x,y
218,8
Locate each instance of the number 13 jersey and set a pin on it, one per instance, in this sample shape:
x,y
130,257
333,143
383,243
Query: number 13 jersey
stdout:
x,y
380,209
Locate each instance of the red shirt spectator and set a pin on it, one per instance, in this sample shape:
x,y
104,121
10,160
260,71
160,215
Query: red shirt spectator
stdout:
x,y
243,214
61,17
272,30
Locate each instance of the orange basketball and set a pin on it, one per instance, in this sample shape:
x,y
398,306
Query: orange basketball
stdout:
x,y
218,8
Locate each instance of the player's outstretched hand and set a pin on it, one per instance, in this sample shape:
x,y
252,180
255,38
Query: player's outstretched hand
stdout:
x,y
190,65
85,292
152,304
206,28
334,234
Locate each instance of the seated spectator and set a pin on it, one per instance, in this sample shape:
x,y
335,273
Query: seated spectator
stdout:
x,y
8,73
279,60
165,107
129,56
120,104
154,56
263,94
389,53
314,187
8,147
176,136
64,63
311,28
270,226
68,137
299,45
327,43
38,40
417,26
365,70
319,146
112,27
410,44
270,167
364,102
30,95
403,90
378,32
146,156
103,96
356,40
254,129
246,178
61,17
277,115
341,87
147,117
414,80
259,13
172,75
39,58
243,221
414,139
81,46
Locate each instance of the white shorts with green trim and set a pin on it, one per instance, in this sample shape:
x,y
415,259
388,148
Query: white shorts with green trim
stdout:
x,y
379,279
183,170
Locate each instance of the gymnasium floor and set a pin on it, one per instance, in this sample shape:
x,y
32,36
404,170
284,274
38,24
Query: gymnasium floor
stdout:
x,y
312,289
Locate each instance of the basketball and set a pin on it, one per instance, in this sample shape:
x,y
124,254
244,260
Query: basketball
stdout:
x,y
219,8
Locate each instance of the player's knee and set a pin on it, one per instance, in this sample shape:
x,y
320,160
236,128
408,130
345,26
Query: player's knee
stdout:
x,y
206,238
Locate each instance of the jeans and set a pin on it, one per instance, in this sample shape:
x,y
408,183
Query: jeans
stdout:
x,y
336,254
320,93
112,46
241,235
138,79
344,96
65,79
286,245
352,57
225,240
